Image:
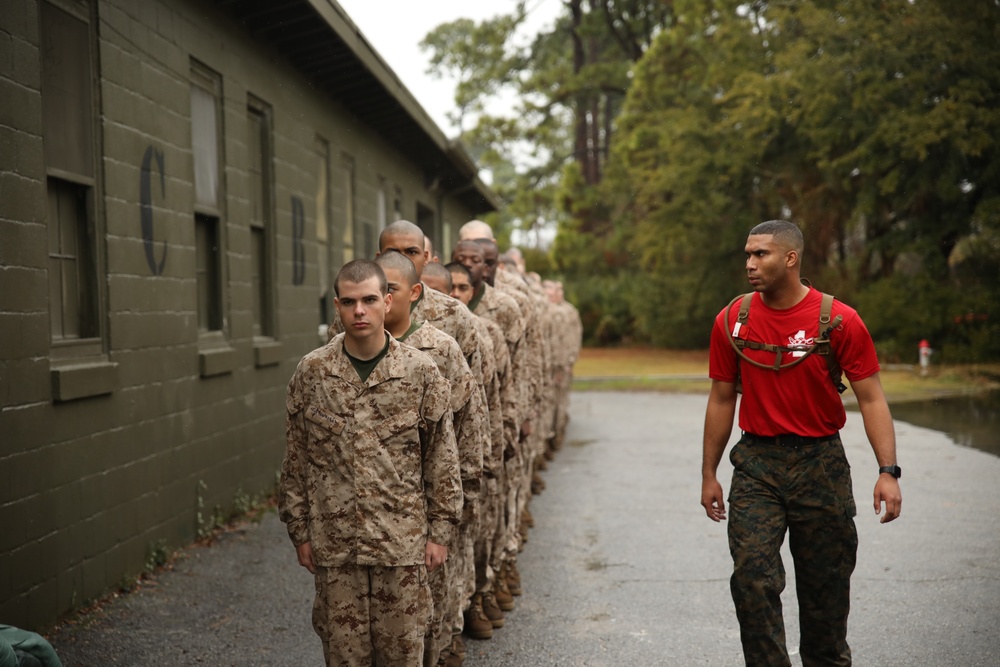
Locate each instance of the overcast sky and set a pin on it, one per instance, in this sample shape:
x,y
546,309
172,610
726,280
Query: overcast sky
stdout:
x,y
395,27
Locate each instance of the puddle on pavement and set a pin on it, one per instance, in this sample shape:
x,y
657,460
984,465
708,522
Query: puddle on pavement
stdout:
x,y
579,443
972,420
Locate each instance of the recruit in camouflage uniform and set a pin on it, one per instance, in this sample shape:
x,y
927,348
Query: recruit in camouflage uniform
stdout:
x,y
370,485
569,332
526,369
455,279
471,423
487,303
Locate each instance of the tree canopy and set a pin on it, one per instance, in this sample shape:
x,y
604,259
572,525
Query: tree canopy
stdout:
x,y
871,124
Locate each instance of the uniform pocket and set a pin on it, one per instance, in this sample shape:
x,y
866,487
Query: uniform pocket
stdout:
x,y
400,429
836,484
324,429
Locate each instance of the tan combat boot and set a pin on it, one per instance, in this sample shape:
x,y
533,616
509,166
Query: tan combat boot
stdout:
x,y
513,578
477,625
492,610
458,646
502,594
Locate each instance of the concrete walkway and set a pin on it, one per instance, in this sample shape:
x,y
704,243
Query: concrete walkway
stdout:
x,y
623,568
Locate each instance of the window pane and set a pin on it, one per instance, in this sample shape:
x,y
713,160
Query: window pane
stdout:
x,y
348,203
72,265
205,147
323,221
67,112
258,268
255,167
207,272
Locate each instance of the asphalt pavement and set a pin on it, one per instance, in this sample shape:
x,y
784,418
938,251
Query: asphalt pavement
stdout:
x,y
622,568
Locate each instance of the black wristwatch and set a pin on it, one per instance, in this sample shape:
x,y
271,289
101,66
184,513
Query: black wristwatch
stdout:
x,y
895,471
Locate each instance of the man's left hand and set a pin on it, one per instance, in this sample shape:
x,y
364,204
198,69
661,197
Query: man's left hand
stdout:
x,y
887,491
435,555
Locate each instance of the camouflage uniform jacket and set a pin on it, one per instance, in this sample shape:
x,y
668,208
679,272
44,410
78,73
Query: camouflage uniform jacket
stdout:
x,y
502,310
495,348
528,364
371,469
471,419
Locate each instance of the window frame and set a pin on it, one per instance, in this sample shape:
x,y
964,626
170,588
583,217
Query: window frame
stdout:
x,y
91,243
211,82
265,296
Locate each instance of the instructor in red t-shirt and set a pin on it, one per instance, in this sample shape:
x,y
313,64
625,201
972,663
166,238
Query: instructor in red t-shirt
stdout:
x,y
790,472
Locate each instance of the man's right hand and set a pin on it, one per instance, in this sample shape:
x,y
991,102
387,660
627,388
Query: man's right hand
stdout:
x,y
305,553
712,499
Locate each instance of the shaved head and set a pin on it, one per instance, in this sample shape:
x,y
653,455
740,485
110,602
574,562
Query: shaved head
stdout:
x,y
399,262
402,228
437,277
475,229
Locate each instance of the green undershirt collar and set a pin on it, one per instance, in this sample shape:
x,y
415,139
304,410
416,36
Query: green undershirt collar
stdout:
x,y
365,367
413,327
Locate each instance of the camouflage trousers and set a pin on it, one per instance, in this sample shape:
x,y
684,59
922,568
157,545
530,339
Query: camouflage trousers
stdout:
x,y
367,615
486,566
452,588
807,492
564,380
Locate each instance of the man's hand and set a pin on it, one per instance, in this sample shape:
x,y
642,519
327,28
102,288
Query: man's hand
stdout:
x,y
305,553
526,429
712,501
887,491
435,555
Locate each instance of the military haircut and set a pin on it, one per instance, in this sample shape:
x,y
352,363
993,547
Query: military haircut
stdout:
x,y
488,243
399,262
360,270
401,227
438,270
505,259
457,267
475,229
475,244
784,232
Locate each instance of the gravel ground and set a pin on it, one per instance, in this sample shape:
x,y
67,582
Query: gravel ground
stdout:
x,y
622,568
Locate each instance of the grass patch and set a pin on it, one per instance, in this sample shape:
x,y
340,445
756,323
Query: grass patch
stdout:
x,y
611,362
650,369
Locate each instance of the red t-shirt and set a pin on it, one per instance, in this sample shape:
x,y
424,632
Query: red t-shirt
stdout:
x,y
800,400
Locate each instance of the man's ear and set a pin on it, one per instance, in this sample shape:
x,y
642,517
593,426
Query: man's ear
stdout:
x,y
388,302
415,291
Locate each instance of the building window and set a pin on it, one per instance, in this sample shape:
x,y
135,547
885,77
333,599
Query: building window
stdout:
x,y
69,147
323,218
207,273
382,205
206,151
72,274
349,219
261,216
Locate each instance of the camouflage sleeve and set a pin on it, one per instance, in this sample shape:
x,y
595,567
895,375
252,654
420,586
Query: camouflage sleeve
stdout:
x,y
534,368
473,437
442,480
493,457
293,497
475,360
